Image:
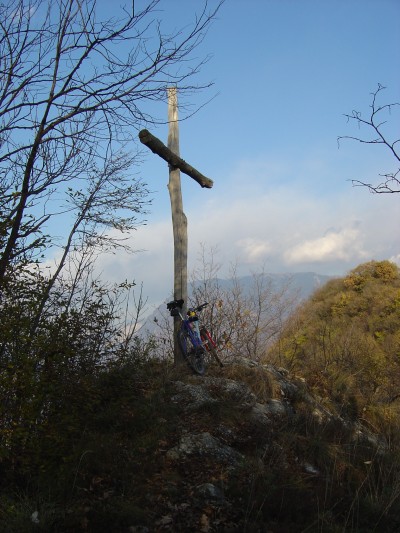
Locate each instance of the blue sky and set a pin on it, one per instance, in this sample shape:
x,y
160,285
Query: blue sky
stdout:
x,y
285,72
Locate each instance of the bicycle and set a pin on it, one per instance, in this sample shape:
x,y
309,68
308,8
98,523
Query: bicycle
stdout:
x,y
194,341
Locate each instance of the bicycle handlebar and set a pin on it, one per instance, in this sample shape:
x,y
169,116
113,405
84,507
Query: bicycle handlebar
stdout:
x,y
201,307
179,303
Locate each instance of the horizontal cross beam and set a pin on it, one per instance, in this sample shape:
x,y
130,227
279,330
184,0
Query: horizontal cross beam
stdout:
x,y
159,148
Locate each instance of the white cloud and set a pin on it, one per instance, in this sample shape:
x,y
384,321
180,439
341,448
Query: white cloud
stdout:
x,y
343,244
252,250
284,228
152,265
395,259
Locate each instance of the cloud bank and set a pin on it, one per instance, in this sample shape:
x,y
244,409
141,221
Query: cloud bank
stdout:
x,y
341,244
290,227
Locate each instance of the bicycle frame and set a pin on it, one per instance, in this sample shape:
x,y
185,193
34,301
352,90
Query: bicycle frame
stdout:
x,y
199,338
186,326
207,340
210,344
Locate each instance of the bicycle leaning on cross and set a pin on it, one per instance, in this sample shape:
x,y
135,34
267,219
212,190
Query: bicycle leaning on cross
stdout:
x,y
195,341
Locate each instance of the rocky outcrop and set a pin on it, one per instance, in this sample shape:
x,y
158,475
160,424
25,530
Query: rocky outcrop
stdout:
x,y
203,445
211,392
235,426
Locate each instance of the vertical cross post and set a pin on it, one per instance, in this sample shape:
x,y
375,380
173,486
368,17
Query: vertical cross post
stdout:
x,y
170,154
179,220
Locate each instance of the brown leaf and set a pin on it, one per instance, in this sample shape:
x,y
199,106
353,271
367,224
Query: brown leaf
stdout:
x,y
204,523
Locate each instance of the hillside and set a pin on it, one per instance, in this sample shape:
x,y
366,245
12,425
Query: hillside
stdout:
x,y
306,440
345,340
246,448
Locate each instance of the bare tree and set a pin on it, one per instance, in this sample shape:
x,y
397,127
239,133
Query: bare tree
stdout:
x,y
244,315
243,318
374,122
74,91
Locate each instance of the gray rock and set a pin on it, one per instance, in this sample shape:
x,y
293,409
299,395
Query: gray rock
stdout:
x,y
310,469
277,408
205,445
233,391
192,397
260,414
210,492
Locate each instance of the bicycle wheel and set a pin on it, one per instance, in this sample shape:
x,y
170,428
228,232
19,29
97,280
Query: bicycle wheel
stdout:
x,y
210,345
194,355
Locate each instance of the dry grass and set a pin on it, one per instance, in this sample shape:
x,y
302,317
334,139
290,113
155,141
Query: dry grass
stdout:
x,y
259,380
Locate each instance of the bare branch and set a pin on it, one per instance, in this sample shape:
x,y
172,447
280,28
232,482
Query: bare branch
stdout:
x,y
374,123
74,90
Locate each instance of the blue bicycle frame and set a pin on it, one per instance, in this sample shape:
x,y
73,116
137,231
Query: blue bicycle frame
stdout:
x,y
187,325
189,338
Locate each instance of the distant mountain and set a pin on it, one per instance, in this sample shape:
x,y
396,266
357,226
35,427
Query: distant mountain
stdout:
x,y
301,284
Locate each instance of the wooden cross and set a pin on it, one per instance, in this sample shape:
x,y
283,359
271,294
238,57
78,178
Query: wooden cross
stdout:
x,y
171,155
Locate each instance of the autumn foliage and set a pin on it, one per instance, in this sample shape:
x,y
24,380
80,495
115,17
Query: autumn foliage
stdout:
x,y
345,341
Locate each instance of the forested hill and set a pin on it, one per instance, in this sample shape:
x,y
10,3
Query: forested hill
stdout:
x,y
346,340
